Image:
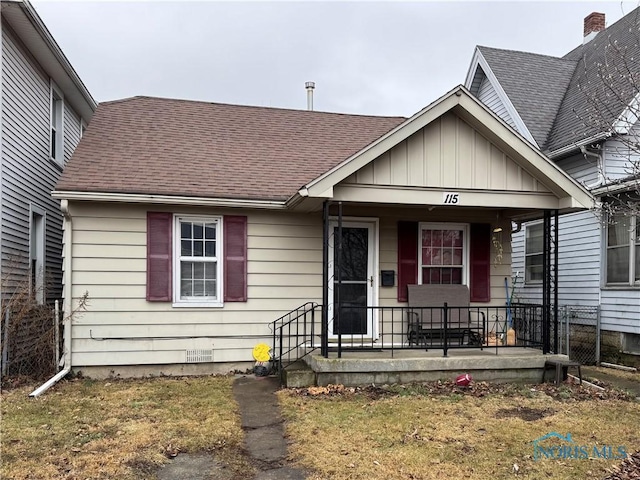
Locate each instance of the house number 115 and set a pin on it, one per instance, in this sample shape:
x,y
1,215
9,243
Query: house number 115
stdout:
x,y
450,198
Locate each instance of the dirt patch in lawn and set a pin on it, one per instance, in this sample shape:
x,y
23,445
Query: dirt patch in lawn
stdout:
x,y
525,413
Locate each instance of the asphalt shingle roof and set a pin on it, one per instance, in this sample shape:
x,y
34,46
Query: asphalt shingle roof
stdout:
x,y
605,73
551,94
517,71
159,146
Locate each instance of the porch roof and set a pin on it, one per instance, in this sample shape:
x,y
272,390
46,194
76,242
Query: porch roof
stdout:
x,y
515,175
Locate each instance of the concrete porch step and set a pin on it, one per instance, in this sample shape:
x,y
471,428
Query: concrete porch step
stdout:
x,y
299,375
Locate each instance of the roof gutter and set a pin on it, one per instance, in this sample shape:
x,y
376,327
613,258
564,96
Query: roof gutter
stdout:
x,y
168,199
576,146
612,189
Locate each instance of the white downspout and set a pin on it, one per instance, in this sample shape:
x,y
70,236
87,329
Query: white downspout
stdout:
x,y
68,247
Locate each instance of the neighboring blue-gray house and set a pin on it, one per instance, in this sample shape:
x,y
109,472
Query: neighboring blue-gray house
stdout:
x,y
45,109
580,110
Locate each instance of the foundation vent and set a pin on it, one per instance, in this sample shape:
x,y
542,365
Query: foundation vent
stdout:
x,y
199,355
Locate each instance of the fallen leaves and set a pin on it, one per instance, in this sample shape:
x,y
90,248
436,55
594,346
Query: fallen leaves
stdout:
x,y
562,393
629,468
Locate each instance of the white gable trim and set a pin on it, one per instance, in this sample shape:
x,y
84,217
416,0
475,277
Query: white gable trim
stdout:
x,y
478,61
482,119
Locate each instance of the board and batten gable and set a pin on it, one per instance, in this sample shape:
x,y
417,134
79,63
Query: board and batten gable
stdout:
x,y
284,271
28,175
448,152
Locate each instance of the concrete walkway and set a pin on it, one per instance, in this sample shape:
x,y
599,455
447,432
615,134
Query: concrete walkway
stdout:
x,y
629,383
265,444
263,427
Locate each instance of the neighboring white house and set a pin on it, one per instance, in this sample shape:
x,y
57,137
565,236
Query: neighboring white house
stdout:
x,y
579,110
45,109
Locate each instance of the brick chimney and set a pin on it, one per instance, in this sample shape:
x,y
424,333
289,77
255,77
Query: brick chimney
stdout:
x,y
593,23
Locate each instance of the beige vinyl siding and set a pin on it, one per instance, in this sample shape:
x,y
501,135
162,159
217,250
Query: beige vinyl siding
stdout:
x,y
447,153
109,245
284,272
28,176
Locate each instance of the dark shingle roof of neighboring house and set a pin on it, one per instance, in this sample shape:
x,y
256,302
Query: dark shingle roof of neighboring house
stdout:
x,y
517,71
577,118
551,94
145,145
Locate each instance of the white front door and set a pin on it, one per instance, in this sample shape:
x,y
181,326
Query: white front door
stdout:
x,y
358,283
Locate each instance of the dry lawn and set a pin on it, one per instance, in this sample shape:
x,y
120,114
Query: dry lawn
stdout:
x,y
426,432
120,429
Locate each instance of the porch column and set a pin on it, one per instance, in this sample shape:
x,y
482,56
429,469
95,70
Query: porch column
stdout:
x,y
324,327
550,282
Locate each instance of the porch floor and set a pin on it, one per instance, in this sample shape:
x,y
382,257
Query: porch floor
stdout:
x,y
515,364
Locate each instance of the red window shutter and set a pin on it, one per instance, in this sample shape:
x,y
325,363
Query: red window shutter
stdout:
x,y
407,258
480,262
235,258
159,245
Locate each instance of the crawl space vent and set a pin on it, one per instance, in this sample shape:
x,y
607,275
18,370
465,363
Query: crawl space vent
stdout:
x,y
199,355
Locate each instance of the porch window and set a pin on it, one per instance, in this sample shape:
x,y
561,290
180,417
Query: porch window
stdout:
x,y
443,254
623,250
197,266
533,253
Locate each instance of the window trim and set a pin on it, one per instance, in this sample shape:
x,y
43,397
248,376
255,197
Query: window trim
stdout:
x,y
37,242
56,122
466,241
631,245
177,301
525,254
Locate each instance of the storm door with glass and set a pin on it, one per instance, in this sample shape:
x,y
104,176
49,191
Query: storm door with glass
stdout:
x,y
352,276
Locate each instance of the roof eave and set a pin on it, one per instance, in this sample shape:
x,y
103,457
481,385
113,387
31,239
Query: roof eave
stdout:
x,y
168,199
28,25
574,147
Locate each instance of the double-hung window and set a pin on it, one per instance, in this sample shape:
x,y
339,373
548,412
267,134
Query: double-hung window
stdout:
x,y
533,256
443,254
623,250
197,260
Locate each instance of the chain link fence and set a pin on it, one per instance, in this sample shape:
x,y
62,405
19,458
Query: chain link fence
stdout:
x,y
29,340
579,333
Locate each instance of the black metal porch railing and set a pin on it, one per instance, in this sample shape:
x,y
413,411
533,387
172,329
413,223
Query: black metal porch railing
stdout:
x,y
295,335
404,328
445,328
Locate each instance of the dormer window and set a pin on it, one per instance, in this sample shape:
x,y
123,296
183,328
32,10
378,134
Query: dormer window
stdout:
x,y
56,145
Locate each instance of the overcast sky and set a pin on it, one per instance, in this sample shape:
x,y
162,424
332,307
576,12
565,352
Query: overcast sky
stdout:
x,y
383,58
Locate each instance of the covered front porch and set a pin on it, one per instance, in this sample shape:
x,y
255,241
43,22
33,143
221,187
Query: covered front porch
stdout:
x,y
430,207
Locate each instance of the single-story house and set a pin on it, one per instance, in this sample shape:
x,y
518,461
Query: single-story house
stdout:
x,y
193,225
